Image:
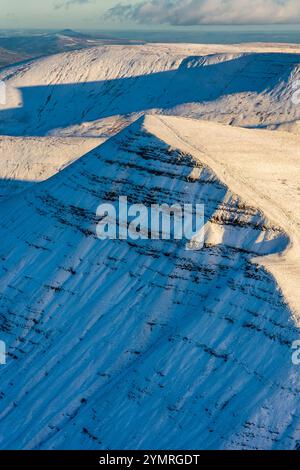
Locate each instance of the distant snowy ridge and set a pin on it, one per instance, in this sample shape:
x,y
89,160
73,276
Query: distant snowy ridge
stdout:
x,y
27,160
96,92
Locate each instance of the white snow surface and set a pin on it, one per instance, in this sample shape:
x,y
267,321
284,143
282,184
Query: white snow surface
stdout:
x,y
26,160
142,344
96,92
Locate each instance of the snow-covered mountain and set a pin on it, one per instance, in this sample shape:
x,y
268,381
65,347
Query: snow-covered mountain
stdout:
x,y
143,344
26,160
9,57
97,91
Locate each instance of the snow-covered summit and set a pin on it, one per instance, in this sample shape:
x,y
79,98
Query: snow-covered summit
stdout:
x,y
175,348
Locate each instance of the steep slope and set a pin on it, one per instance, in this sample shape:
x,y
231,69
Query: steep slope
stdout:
x,y
263,168
27,160
37,44
9,57
143,344
95,92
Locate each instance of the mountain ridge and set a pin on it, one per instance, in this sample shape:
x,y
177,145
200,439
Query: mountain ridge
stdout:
x,y
179,349
98,91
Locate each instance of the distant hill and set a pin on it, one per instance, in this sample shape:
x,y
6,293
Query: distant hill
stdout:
x,y
10,57
22,46
74,34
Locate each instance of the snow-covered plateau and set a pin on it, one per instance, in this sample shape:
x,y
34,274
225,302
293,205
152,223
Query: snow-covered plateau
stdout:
x,y
142,344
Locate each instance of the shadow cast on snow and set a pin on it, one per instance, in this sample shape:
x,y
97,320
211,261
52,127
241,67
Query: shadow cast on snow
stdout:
x,y
46,108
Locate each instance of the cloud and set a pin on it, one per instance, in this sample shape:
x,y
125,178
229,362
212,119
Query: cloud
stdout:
x,y
67,4
213,12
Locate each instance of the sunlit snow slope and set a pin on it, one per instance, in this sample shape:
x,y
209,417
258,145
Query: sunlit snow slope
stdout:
x,y
142,344
26,160
97,91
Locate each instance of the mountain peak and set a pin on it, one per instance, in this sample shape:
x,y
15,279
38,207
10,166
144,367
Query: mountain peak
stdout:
x,y
72,33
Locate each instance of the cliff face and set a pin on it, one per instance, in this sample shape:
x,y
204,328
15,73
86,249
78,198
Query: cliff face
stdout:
x,y
143,344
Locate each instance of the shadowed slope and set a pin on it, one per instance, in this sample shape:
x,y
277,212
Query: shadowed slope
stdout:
x,y
178,349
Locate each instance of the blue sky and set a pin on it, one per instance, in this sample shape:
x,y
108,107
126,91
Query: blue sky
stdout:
x,y
89,14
